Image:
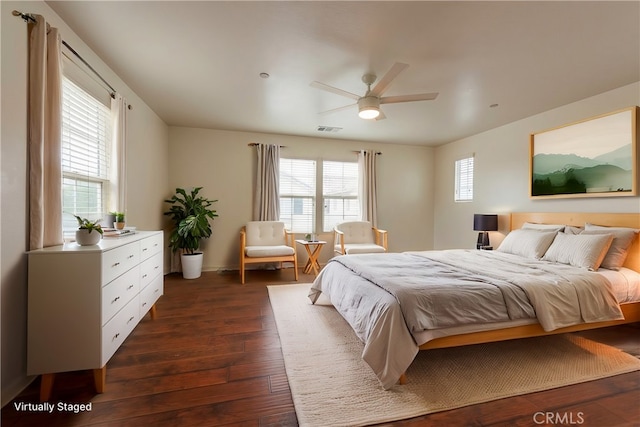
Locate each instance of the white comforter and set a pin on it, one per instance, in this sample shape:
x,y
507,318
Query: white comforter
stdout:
x,y
387,298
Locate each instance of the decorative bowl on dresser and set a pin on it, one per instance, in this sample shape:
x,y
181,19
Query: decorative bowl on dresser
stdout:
x,y
83,301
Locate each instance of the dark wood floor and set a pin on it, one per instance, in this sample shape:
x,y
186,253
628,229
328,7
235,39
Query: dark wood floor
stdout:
x,y
212,358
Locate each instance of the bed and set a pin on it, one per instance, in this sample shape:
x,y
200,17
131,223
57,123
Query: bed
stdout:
x,y
483,296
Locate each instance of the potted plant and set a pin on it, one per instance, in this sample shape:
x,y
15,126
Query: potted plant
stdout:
x,y
191,215
88,232
118,222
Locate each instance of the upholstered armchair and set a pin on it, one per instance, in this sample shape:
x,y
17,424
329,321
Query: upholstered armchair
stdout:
x,y
359,237
266,241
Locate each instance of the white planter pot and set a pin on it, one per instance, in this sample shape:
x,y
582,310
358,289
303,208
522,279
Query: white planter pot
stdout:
x,y
84,238
191,265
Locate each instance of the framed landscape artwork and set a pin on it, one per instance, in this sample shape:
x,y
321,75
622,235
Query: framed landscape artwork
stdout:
x,y
596,157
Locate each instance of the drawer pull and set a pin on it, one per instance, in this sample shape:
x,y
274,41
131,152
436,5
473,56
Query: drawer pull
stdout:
x,y
130,287
144,275
129,321
130,256
116,264
156,267
155,245
144,249
144,303
115,337
156,291
115,300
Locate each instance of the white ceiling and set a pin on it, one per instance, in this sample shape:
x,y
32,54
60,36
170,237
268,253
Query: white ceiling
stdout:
x,y
197,64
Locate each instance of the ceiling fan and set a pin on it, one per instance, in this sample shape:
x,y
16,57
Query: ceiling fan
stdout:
x,y
369,104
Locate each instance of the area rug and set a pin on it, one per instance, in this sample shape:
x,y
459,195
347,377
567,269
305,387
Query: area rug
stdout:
x,y
332,386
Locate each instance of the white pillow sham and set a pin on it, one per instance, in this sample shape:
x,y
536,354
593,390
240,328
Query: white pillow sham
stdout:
x,y
570,229
579,250
527,243
542,227
622,239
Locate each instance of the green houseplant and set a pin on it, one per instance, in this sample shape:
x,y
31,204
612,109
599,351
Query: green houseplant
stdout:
x,y
191,215
118,220
85,235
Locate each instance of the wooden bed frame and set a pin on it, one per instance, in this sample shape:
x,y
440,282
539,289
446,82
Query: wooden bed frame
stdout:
x,y
631,311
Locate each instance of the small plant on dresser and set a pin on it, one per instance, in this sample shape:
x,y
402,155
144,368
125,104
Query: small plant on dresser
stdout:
x,y
89,232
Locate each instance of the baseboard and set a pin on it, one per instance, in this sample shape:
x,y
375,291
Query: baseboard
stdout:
x,y
9,393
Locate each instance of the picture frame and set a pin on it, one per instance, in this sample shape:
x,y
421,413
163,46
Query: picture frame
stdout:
x,y
595,157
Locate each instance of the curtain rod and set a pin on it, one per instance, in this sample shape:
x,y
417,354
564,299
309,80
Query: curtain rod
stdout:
x,y
253,144
29,18
377,153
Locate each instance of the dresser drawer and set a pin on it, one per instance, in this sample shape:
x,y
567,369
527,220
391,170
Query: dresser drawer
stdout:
x,y
119,328
150,269
151,246
119,292
119,260
150,294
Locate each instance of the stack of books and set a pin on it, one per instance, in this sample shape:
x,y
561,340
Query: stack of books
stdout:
x,y
112,232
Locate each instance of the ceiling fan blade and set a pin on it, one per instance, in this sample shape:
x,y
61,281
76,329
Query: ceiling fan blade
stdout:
x,y
386,80
335,110
409,98
381,116
335,90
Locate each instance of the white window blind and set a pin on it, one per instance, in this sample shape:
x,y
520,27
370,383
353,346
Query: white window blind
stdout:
x,y
339,193
86,148
464,179
298,194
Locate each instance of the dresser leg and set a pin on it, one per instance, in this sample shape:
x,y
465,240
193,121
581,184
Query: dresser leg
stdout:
x,y
100,378
153,312
46,385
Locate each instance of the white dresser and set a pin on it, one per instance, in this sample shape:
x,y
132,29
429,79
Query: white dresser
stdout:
x,y
85,300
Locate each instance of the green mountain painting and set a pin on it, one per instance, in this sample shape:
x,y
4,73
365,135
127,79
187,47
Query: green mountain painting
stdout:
x,y
555,174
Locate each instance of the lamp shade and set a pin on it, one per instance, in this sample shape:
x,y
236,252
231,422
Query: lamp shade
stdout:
x,y
485,222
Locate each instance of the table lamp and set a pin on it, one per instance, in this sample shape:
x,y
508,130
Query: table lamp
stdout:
x,y
484,223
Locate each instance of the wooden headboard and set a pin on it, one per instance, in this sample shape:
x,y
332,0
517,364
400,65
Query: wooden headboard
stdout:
x,y
631,220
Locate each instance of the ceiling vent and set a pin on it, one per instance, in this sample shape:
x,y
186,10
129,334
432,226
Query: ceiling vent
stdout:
x,y
328,129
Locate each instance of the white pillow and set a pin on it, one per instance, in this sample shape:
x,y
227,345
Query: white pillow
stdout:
x,y
622,239
527,243
542,227
579,250
570,229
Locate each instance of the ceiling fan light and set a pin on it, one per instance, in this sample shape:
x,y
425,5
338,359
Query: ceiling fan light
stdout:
x,y
368,107
369,113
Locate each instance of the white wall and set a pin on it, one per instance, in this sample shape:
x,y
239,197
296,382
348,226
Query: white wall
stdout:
x,y
222,163
502,172
147,178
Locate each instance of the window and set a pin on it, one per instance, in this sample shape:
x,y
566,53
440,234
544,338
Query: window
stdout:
x,y
86,147
339,193
298,194
464,179
302,182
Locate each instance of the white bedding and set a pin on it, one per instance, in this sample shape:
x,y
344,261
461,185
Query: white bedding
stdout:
x,y
378,320
624,282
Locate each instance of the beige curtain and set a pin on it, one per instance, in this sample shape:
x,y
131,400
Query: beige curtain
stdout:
x,y
266,202
44,135
118,168
367,186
